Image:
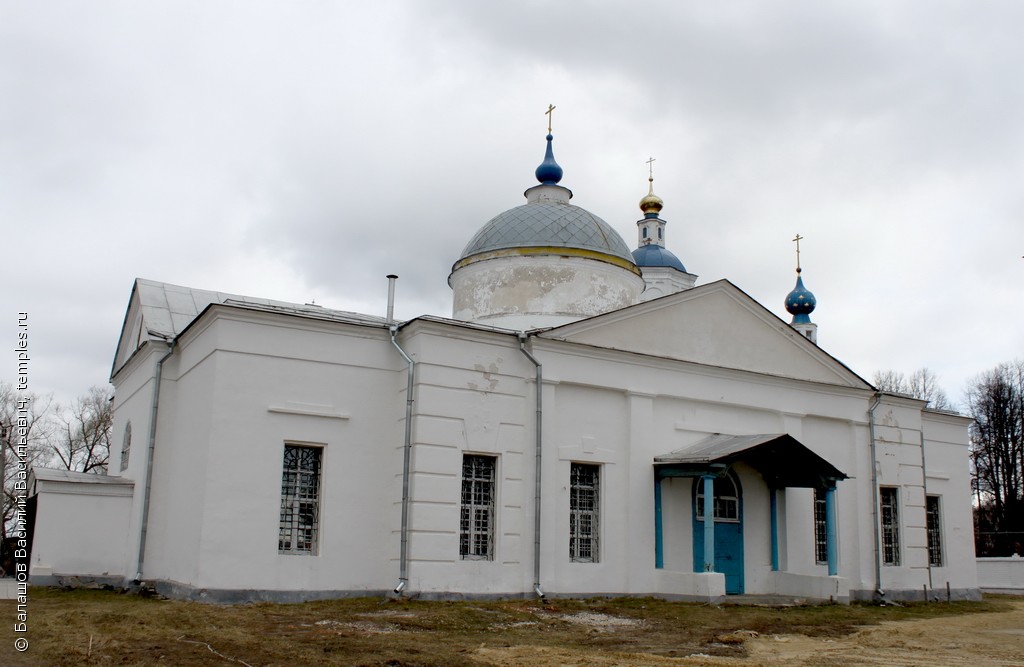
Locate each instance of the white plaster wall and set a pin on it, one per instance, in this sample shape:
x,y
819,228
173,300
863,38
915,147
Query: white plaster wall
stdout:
x,y
69,540
133,400
472,396
526,292
216,495
240,392
1001,574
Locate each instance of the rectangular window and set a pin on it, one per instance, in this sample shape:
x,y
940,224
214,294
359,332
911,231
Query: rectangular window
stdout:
x,y
300,500
476,525
584,511
890,526
934,519
820,528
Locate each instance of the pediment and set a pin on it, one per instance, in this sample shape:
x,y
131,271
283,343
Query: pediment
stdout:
x,y
717,325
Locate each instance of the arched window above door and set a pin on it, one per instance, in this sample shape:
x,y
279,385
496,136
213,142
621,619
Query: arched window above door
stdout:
x,y
727,498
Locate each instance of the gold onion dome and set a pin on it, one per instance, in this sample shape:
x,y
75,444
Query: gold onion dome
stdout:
x,y
652,203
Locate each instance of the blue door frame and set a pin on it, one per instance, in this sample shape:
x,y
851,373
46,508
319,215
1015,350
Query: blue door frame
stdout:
x,y
728,534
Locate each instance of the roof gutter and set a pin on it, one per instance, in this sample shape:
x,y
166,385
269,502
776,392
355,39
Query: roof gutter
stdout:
x,y
146,490
537,485
403,558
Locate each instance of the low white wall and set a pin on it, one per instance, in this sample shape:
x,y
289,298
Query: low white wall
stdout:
x,y
70,539
836,589
1001,574
708,586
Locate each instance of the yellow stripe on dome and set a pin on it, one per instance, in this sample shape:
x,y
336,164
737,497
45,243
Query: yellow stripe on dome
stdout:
x,y
539,251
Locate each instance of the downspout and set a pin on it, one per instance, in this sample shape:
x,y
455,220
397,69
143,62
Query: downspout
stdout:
x,y
874,494
149,458
403,558
537,486
924,484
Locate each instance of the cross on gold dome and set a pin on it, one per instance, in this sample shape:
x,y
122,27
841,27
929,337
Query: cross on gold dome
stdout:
x,y
650,166
798,239
551,107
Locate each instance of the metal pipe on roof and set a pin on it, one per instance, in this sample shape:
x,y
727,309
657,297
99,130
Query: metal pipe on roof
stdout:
x,y
144,527
537,486
403,558
391,297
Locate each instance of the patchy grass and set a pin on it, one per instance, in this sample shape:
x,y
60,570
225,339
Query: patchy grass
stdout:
x,y
85,627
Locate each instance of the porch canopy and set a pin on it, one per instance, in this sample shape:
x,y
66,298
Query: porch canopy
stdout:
x,y
780,458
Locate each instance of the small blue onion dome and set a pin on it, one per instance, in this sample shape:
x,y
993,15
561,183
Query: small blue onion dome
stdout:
x,y
652,255
549,173
800,302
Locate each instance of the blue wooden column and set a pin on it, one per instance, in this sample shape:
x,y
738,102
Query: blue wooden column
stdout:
x,y
830,530
659,540
709,522
775,528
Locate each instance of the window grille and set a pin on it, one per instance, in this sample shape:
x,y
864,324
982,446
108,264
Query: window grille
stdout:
x,y
476,525
584,512
300,500
934,524
820,528
727,501
890,526
126,446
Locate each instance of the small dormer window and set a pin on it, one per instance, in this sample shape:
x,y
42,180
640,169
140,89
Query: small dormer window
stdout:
x,y
645,232
660,230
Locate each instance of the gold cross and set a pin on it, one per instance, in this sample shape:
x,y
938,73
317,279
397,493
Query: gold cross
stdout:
x,y
551,107
798,239
650,165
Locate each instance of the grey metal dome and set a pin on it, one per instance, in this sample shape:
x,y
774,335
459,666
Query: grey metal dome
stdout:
x,y
548,224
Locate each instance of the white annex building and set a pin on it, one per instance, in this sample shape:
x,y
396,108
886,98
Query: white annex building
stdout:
x,y
588,422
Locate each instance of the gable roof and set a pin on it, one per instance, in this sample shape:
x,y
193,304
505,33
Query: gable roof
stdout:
x,y
161,311
716,324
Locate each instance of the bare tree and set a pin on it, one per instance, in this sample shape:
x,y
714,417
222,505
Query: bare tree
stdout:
x,y
81,442
25,425
922,384
996,401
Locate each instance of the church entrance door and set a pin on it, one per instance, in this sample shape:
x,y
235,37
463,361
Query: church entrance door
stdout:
x,y
728,517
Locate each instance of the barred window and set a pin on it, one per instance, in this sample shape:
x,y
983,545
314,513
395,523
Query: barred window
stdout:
x,y
890,526
300,500
820,528
584,512
934,524
126,446
727,500
476,524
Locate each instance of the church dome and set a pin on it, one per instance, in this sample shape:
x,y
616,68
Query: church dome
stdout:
x,y
800,302
548,220
652,254
554,223
544,263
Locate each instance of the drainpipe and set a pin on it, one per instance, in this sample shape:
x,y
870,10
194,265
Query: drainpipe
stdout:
x,y
403,559
924,484
537,487
874,494
146,490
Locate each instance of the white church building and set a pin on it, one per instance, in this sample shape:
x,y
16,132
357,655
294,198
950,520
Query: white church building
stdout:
x,y
588,422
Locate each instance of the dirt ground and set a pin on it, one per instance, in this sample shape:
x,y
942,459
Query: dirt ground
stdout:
x,y
95,627
978,640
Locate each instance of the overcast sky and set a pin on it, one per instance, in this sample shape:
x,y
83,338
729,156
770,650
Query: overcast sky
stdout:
x,y
303,150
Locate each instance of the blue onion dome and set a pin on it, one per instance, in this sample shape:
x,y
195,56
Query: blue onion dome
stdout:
x,y
549,173
652,255
800,302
